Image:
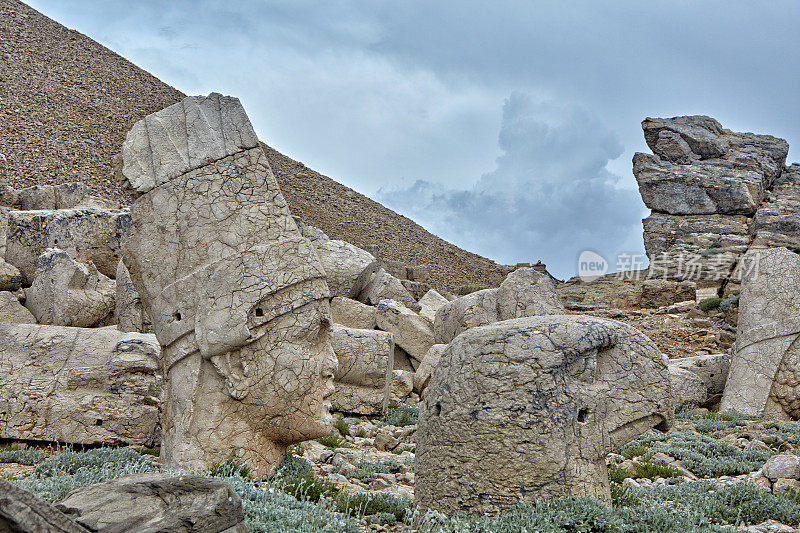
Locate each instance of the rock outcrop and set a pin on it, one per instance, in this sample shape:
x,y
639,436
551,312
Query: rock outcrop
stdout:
x,y
237,296
765,370
77,385
22,512
578,387
65,292
706,186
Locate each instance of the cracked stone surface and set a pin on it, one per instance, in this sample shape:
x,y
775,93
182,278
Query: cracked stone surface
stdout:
x,y
763,378
363,379
155,502
130,313
21,511
431,302
237,296
353,314
13,312
384,286
529,408
412,332
65,292
777,221
78,385
348,268
90,234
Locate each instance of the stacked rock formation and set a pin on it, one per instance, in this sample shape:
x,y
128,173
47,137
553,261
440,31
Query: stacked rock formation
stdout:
x,y
709,190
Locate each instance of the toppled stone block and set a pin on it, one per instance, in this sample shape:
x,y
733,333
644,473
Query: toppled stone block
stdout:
x,y
777,221
65,292
417,289
155,502
412,333
712,369
130,314
578,386
353,314
348,267
661,293
431,302
423,374
13,312
384,286
10,277
687,388
94,235
524,292
470,311
22,512
363,379
81,386
527,292
765,369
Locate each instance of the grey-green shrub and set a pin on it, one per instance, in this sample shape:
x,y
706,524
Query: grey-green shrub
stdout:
x,y
23,457
708,457
402,415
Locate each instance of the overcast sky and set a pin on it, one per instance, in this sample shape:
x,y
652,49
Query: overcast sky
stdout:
x,y
506,127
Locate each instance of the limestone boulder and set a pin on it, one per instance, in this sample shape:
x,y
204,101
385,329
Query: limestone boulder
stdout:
x,y
10,276
129,313
687,388
13,312
578,387
348,267
22,512
527,292
712,369
412,332
65,292
470,311
86,234
765,368
384,286
363,379
782,466
423,374
431,302
352,313
76,385
156,502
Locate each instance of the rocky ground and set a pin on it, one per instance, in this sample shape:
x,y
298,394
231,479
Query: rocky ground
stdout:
x,y
709,470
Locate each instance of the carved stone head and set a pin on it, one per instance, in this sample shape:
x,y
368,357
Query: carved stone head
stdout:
x,y
237,297
529,408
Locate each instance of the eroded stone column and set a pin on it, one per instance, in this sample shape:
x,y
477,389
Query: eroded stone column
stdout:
x,y
236,295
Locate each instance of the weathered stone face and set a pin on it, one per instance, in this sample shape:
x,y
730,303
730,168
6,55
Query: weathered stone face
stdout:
x,y
236,295
528,408
764,371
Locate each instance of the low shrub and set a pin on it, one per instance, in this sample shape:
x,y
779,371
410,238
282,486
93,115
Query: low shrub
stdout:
x,y
709,304
617,474
306,487
708,457
360,433
228,468
629,452
650,470
376,504
334,440
342,427
365,471
402,415
23,457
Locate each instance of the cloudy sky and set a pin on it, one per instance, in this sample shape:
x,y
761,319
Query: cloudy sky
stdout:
x,y
506,127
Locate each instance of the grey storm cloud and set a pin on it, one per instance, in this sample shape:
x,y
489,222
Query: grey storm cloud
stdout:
x,y
549,197
405,97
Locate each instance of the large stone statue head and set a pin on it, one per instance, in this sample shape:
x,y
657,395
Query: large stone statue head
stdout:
x,y
237,297
529,408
